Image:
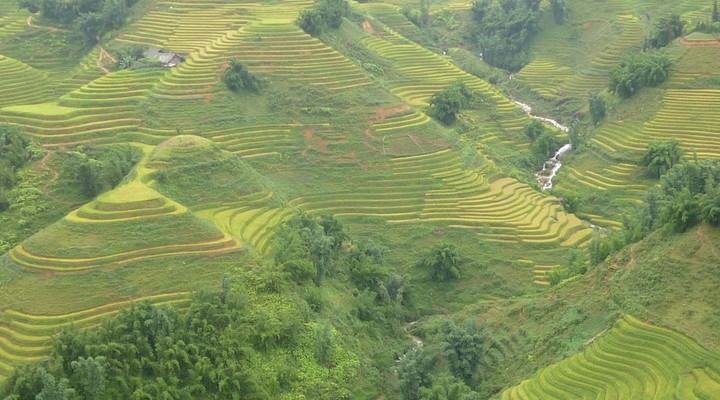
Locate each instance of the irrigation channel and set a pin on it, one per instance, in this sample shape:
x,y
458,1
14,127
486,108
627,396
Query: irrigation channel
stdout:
x,y
552,166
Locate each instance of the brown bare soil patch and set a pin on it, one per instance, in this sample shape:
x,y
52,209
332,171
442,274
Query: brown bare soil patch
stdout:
x,y
367,26
382,113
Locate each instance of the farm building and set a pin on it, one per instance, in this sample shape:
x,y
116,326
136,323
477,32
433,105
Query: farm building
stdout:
x,y
167,59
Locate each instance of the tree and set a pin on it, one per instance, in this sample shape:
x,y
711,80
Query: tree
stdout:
x,y
447,104
237,77
328,14
639,70
559,9
311,21
414,372
544,147
534,129
665,30
90,373
324,344
90,24
660,157
715,12
464,347
597,107
447,387
480,9
443,262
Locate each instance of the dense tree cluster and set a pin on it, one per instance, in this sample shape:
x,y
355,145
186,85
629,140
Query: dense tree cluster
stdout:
x,y
660,157
237,77
503,29
543,141
689,194
450,370
15,152
254,337
327,14
665,30
91,17
95,170
639,70
446,105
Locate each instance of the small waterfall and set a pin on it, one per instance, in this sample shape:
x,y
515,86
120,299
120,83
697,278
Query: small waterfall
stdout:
x,y
553,165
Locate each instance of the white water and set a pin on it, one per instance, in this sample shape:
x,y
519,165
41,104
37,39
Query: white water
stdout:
x,y
552,166
417,342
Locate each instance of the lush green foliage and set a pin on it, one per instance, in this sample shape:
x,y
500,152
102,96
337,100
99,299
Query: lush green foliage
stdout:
x,y
639,70
503,29
660,157
559,10
15,152
237,77
446,105
92,18
534,129
597,107
665,30
253,338
97,169
327,14
443,263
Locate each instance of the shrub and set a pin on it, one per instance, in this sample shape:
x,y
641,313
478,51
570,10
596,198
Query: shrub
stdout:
x,y
443,262
665,30
328,14
534,129
639,70
597,107
447,104
660,157
238,77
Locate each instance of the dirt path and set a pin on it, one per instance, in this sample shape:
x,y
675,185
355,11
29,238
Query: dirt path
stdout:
x,y
55,175
104,55
49,28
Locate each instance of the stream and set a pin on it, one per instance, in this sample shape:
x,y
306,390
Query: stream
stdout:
x,y
552,166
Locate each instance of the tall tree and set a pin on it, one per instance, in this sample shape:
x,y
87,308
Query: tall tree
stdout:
x,y
597,107
559,9
660,157
443,262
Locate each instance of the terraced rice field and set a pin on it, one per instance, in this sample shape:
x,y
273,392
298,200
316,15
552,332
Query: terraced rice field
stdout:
x,y
690,116
424,73
26,337
133,211
97,111
541,273
544,76
435,188
632,361
596,77
21,84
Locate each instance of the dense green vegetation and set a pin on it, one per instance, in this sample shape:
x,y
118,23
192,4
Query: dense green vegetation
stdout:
x,y
503,30
90,18
639,70
341,200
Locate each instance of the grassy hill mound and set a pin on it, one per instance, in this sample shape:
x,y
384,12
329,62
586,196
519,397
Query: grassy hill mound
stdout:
x,y
144,224
195,171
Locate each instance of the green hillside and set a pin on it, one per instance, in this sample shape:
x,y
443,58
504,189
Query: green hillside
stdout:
x,y
340,199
